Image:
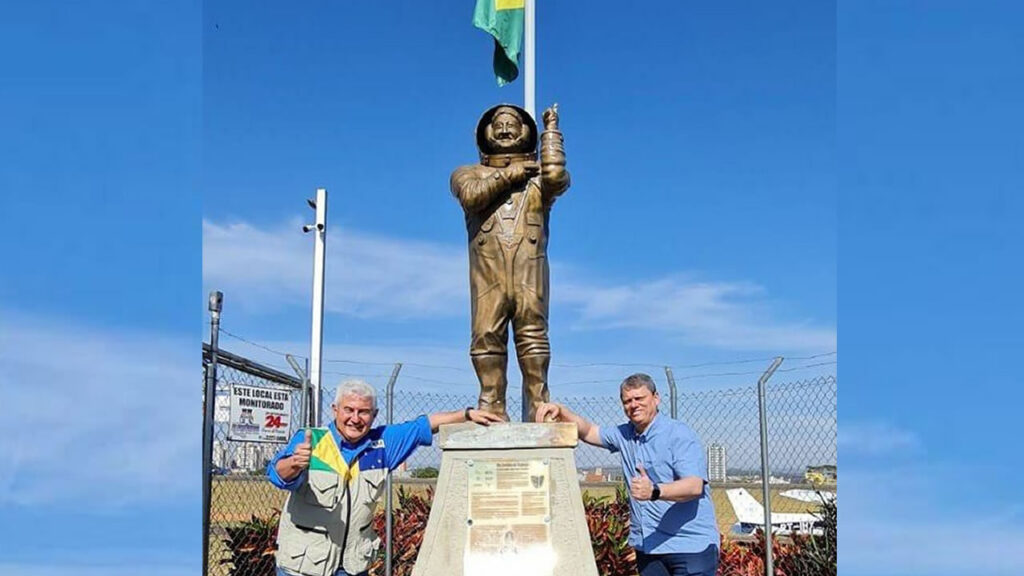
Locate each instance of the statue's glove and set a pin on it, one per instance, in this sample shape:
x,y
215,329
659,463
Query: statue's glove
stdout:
x,y
550,118
521,171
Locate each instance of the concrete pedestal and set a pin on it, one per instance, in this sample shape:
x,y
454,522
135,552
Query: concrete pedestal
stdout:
x,y
507,504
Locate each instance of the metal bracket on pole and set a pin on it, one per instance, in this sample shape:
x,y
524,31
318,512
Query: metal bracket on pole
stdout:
x,y
671,391
388,512
209,401
769,569
319,252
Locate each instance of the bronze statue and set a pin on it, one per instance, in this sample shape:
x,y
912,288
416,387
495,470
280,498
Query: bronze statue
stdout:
x,y
507,198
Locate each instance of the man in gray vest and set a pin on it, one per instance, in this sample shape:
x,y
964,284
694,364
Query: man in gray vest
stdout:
x,y
336,476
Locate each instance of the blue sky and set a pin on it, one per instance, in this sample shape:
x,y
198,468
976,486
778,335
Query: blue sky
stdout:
x,y
738,169
678,242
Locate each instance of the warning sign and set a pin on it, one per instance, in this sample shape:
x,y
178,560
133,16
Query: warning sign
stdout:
x,y
260,414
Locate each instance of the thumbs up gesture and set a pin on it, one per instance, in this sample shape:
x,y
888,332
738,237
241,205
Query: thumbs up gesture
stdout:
x,y
303,452
641,487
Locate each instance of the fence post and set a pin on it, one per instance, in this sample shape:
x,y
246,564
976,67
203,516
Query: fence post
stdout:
x,y
303,391
769,569
209,400
307,399
388,512
671,390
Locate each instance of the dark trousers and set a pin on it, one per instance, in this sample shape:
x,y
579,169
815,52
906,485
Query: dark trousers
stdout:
x,y
680,564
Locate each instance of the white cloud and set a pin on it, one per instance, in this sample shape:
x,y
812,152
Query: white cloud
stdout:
x,y
915,520
370,276
729,315
876,439
367,276
118,412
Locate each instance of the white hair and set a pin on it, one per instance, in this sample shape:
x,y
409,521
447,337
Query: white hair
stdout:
x,y
356,388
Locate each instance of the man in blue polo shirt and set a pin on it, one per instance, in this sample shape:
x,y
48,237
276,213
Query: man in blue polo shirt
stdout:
x,y
335,476
672,521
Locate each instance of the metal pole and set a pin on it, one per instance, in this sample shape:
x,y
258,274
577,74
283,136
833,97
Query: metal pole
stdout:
x,y
307,418
316,341
671,390
388,513
769,569
209,401
529,45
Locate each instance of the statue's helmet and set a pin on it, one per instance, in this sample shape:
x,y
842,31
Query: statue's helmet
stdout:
x,y
522,144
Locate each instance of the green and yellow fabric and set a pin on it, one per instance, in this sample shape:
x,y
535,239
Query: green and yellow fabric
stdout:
x,y
326,457
502,19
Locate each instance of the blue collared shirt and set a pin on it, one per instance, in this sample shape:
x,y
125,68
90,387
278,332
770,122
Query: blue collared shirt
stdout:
x,y
382,447
668,450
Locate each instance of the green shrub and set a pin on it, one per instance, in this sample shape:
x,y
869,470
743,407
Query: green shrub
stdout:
x,y
408,526
252,545
608,522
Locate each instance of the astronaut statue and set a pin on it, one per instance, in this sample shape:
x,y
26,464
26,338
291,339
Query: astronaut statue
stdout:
x,y
507,198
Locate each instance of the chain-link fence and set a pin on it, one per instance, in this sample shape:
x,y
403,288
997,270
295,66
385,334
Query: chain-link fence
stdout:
x,y
239,490
801,422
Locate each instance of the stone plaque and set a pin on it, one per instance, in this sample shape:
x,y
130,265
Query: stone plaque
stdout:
x,y
507,503
509,517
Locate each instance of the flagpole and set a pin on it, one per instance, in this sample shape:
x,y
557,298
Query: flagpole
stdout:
x,y
528,58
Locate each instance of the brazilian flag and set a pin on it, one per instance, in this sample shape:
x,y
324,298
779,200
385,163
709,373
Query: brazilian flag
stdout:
x,y
326,457
502,19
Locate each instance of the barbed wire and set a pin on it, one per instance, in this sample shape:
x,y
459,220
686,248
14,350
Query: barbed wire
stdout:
x,y
404,364
686,366
354,375
433,381
359,362
562,365
222,330
815,365
823,355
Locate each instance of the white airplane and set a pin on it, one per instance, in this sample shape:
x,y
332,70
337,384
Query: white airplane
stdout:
x,y
809,495
750,516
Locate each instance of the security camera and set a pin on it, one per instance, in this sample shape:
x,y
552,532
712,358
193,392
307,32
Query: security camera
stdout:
x,y
215,301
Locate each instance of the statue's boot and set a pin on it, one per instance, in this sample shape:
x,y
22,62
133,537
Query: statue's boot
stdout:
x,y
490,371
535,382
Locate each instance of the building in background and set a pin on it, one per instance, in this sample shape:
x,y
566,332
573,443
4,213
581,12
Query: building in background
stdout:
x,y
821,474
716,463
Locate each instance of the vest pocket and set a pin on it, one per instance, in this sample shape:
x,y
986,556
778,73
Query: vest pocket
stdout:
x,y
374,489
534,227
367,549
322,490
309,554
533,275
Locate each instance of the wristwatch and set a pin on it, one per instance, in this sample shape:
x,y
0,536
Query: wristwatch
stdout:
x,y
655,492
465,414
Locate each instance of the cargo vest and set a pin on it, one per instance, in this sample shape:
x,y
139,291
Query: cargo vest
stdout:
x,y
327,522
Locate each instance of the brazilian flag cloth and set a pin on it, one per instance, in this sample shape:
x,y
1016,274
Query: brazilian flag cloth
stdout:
x,y
327,458
502,19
